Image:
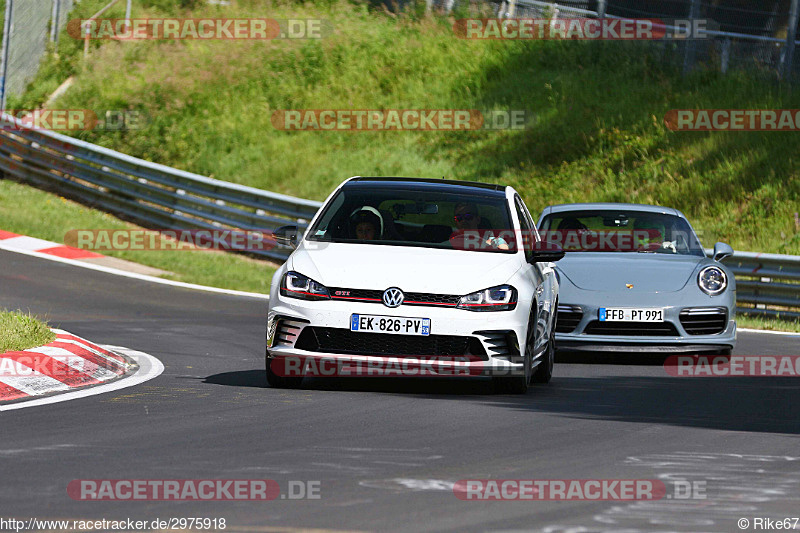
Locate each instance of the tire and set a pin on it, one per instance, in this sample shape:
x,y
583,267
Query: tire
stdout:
x,y
281,382
518,384
724,351
512,384
544,372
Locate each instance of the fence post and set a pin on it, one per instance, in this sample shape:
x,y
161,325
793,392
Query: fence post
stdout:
x,y
86,34
791,35
601,9
6,40
691,44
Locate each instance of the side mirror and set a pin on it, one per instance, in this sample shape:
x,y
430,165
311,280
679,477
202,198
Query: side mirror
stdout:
x,y
546,252
287,236
721,251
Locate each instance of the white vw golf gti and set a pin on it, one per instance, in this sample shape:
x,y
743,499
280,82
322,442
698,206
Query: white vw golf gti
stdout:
x,y
445,277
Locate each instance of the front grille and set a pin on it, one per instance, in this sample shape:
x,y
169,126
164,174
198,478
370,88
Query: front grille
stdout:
x,y
344,341
704,320
568,318
632,329
411,298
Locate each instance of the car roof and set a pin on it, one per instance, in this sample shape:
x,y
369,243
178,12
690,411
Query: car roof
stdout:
x,y
591,206
440,185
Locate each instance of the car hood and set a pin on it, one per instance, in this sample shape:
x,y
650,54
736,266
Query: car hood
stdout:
x,y
412,269
611,271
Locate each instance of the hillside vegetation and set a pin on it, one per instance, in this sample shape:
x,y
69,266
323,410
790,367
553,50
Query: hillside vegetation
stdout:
x,y
599,133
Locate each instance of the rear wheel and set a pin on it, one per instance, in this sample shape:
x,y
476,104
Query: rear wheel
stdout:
x,y
280,382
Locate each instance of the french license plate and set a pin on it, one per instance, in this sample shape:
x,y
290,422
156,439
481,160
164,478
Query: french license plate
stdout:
x,y
390,324
631,314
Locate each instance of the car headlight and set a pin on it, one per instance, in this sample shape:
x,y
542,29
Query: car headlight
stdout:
x,y
296,285
712,280
500,298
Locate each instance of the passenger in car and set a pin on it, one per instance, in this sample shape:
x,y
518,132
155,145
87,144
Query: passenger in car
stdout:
x,y
467,220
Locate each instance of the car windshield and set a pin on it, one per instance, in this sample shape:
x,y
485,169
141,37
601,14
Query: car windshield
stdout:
x,y
427,217
621,231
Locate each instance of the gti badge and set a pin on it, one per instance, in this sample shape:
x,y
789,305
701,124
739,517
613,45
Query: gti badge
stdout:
x,y
393,297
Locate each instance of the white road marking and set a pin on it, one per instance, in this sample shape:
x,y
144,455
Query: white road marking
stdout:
x,y
134,275
789,333
28,243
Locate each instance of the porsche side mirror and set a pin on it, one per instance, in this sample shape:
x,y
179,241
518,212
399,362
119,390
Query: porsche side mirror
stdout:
x,y
721,251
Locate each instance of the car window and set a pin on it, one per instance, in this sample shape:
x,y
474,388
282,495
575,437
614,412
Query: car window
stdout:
x,y
621,231
422,218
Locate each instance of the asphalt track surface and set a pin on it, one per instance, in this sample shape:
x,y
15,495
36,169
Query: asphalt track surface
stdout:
x,y
384,451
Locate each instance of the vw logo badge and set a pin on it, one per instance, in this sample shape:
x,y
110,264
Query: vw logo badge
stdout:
x,y
393,297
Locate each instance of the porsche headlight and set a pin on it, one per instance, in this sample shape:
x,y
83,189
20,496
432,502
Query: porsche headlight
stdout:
x,y
296,285
712,280
500,298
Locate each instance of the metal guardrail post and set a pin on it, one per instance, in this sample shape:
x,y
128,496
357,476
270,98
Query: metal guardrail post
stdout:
x,y
726,55
54,21
791,35
601,9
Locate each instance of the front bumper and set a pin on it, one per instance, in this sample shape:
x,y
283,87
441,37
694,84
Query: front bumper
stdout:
x,y
294,329
671,336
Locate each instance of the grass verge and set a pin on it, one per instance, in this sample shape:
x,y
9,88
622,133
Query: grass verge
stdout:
x,y
768,323
20,331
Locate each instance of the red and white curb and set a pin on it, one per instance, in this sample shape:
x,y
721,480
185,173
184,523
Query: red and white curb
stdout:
x,y
14,241
67,368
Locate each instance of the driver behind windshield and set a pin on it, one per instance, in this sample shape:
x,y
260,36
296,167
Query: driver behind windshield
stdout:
x,y
365,224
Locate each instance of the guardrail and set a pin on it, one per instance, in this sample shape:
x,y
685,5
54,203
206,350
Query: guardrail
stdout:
x,y
162,197
153,195
768,284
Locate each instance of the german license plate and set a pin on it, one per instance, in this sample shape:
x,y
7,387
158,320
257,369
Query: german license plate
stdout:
x,y
631,314
390,324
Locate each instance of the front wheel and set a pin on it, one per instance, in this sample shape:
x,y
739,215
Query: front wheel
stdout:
x,y
544,372
281,382
518,383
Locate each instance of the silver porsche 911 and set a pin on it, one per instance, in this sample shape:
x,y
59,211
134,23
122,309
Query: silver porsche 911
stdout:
x,y
636,278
